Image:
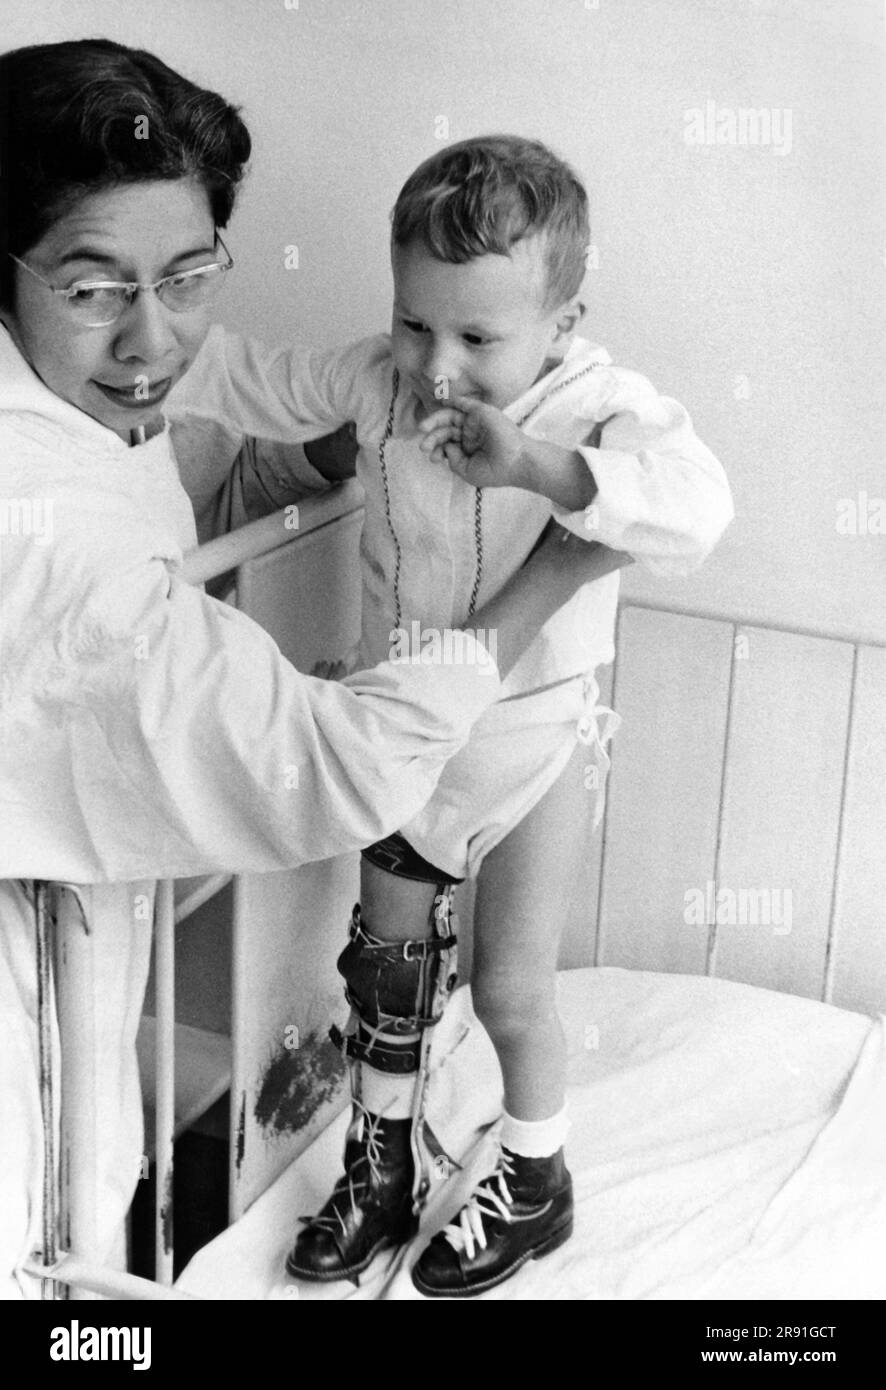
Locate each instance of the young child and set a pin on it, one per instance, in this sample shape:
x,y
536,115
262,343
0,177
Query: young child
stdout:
x,y
480,416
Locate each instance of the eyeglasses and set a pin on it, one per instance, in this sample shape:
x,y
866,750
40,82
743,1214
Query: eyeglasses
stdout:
x,y
97,303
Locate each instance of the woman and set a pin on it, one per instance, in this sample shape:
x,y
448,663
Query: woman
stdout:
x,y
145,730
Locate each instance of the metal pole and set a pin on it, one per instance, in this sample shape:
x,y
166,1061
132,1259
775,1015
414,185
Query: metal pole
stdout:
x,y
164,975
47,1099
77,1007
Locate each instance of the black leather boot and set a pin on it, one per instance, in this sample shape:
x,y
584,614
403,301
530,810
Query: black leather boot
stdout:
x,y
521,1211
370,1207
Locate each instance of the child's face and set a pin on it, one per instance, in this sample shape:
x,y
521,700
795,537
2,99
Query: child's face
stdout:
x,y
479,329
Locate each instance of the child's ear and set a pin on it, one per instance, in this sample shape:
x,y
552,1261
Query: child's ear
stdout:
x,y
569,316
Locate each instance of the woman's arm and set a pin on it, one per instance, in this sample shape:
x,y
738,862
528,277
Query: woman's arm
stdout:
x,y
172,738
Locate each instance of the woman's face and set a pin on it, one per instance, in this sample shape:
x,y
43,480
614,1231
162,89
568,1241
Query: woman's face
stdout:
x,y
119,374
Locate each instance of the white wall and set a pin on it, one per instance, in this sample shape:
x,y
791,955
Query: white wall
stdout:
x,y
745,282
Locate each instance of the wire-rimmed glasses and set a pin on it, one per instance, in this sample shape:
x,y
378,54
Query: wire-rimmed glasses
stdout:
x,y
98,303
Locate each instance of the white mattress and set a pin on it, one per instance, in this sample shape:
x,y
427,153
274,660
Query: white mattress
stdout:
x,y
726,1142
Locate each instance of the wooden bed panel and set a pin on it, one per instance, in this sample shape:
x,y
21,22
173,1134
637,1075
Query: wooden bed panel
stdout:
x,y
281,589
290,927
857,968
781,807
288,1079
671,690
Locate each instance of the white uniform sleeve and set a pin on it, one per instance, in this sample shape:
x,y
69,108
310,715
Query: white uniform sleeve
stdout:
x,y
233,479
288,394
175,740
240,415
662,496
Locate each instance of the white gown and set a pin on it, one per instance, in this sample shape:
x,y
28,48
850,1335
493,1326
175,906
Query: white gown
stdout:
x,y
148,731
431,541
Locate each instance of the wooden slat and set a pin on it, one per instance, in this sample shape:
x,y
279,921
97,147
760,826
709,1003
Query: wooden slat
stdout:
x,y
190,894
857,975
308,594
202,1073
671,690
781,809
268,533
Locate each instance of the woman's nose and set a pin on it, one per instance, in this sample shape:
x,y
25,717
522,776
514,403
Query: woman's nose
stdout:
x,y
144,329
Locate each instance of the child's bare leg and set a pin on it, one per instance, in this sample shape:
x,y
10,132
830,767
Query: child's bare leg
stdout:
x,y
525,1208
395,909
520,909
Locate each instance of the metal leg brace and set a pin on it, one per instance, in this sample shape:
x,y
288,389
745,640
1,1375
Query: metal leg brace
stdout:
x,y
398,991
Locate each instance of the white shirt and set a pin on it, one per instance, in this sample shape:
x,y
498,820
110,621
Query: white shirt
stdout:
x,y
662,495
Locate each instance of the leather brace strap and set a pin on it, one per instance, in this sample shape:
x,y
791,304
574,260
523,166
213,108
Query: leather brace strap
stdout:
x,y
396,990
396,856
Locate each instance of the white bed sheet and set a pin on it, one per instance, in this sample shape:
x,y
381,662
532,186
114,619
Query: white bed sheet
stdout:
x,y
726,1142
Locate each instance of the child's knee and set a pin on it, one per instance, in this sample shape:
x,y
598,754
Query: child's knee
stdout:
x,y
507,1007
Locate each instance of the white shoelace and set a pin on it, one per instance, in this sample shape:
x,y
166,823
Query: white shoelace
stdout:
x,y
483,1201
372,1158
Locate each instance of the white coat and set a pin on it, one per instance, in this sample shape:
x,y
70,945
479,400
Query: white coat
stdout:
x,y
148,731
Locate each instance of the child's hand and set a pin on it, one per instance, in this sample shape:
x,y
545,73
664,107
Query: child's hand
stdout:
x,y
477,441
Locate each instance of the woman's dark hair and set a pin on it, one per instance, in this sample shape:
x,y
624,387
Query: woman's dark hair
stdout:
x,y
79,117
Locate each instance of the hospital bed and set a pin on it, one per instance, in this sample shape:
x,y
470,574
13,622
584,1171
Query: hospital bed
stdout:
x,y
723,977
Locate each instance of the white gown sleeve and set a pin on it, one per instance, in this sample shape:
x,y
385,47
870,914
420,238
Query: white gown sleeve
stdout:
x,y
174,739
288,393
662,496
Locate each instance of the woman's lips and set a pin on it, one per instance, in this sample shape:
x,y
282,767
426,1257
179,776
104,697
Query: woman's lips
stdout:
x,y
136,397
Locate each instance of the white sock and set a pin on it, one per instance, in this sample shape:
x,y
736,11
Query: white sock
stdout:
x,y
535,1138
384,1093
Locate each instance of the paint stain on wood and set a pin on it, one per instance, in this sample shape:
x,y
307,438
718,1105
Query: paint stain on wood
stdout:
x,y
296,1083
166,1211
241,1133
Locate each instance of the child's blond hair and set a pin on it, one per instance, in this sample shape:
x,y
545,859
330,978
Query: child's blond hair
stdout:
x,y
483,195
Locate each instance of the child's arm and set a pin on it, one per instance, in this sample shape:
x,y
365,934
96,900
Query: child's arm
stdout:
x,y
334,456
644,483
